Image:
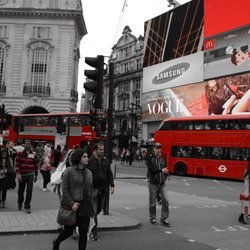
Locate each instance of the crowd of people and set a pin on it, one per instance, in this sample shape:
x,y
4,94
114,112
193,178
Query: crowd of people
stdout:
x,y
80,182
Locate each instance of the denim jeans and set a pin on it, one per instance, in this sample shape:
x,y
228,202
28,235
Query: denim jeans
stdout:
x,y
27,181
153,190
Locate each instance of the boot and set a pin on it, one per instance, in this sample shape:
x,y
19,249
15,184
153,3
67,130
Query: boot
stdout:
x,y
241,219
56,245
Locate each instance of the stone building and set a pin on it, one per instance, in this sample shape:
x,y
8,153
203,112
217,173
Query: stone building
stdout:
x,y
127,56
39,54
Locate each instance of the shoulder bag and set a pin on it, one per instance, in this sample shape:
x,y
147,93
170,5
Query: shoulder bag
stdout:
x,y
66,217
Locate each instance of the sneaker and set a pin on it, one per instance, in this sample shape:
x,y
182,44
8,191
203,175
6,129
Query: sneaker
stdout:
x,y
44,189
19,207
3,204
27,210
165,223
94,237
153,221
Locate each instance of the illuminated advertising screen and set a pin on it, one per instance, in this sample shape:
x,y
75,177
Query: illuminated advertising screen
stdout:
x,y
227,53
224,15
228,95
174,34
177,72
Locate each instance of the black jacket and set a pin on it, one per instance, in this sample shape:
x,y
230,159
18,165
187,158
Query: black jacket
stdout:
x,y
101,172
155,166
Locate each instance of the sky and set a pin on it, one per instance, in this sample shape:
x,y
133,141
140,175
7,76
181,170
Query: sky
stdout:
x,y
105,21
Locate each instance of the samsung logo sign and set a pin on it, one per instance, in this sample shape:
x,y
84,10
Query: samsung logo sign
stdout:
x,y
171,73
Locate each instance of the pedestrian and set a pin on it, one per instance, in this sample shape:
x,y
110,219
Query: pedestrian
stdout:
x,y
5,168
45,168
245,195
77,195
157,176
26,165
11,152
39,150
19,148
102,180
57,156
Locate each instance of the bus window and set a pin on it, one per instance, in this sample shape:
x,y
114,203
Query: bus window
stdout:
x,y
41,121
199,125
52,120
73,120
84,120
165,126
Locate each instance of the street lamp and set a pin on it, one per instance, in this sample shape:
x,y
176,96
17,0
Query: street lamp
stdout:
x,y
131,130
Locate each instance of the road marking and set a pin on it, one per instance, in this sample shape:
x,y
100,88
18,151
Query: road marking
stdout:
x,y
191,240
129,208
230,229
222,184
168,232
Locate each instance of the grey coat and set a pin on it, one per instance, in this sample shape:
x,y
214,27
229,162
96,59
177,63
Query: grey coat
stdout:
x,y
73,185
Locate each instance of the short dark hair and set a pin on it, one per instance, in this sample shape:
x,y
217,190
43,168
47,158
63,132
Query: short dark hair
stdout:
x,y
97,145
76,156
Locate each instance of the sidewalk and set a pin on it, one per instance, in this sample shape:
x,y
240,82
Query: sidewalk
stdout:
x,y
44,221
44,213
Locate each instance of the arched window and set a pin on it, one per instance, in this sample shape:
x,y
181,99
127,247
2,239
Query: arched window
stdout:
x,y
3,54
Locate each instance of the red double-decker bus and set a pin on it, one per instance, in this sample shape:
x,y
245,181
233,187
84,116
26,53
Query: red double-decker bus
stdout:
x,y
214,146
59,128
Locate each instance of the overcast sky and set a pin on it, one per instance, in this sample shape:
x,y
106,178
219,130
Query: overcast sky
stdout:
x,y
102,18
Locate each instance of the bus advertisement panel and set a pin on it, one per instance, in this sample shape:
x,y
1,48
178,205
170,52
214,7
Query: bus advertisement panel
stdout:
x,y
228,95
214,146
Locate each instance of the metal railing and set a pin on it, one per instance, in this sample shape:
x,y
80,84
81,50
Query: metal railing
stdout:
x,y
36,90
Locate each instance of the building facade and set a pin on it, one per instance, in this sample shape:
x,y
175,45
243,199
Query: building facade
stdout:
x,y
127,56
39,54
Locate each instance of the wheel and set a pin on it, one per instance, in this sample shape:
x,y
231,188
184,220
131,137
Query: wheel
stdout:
x,y
180,169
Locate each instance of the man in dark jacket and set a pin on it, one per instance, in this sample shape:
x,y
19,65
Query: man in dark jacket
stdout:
x,y
102,179
157,175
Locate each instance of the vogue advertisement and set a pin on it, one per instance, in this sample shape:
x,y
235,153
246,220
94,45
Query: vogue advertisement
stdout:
x,y
228,95
227,53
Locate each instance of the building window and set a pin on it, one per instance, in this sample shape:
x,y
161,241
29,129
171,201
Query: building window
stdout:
x,y
125,67
124,103
2,65
126,86
135,123
127,52
3,31
39,67
138,63
138,100
138,83
41,32
27,3
53,4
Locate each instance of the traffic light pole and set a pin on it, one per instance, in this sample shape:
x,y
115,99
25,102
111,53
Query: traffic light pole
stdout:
x,y
110,130
110,112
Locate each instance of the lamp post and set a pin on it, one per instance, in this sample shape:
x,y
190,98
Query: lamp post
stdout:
x,y
131,130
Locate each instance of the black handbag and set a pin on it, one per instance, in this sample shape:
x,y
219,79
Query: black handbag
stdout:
x,y
11,180
66,217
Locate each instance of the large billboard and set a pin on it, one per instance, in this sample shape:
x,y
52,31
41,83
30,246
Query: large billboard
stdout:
x,y
219,96
225,15
227,53
181,71
174,34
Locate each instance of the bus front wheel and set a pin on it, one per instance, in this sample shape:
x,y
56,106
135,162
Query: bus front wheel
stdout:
x,y
180,169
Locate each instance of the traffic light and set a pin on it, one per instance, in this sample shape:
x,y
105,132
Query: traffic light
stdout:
x,y
60,125
92,118
96,75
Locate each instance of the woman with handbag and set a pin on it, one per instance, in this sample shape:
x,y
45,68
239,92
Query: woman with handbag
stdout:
x,y
76,197
45,168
